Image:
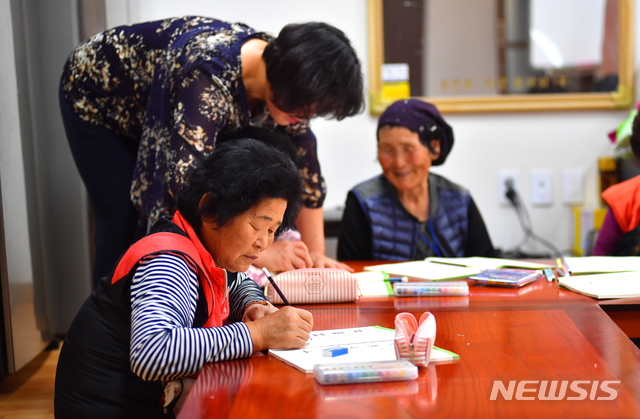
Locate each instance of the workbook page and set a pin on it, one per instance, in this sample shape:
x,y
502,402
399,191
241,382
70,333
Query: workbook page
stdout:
x,y
364,344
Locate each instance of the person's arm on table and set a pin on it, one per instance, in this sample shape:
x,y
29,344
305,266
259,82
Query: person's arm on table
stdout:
x,y
284,256
246,300
268,326
164,292
287,328
310,223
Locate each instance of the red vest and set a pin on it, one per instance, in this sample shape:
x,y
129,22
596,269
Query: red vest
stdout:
x,y
624,201
212,280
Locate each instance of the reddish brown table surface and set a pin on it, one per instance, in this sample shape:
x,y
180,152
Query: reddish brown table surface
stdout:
x,y
625,312
543,334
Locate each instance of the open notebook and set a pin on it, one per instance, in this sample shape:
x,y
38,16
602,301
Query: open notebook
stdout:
x,y
364,344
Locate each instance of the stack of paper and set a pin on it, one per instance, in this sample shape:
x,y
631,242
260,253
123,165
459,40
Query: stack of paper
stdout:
x,y
488,263
423,269
597,276
602,264
436,269
611,285
373,284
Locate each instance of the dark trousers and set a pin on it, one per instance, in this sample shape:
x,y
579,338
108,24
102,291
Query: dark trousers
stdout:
x,y
106,163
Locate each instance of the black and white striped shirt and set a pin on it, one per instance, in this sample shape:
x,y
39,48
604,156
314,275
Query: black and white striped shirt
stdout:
x,y
164,345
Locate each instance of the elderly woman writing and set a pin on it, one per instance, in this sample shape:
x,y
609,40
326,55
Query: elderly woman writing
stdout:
x,y
178,299
408,213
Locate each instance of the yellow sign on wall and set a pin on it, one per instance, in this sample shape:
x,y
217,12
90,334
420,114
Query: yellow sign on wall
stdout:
x,y
395,82
395,90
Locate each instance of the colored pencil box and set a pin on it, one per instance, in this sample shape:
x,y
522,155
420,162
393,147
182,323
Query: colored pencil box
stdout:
x,y
365,372
313,286
413,341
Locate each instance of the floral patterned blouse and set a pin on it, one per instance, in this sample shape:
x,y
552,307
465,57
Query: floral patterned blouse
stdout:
x,y
171,87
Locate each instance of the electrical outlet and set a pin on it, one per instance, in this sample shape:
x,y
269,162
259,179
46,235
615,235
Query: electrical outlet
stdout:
x,y
541,187
503,177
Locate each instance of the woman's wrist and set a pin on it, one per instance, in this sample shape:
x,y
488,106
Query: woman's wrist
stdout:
x,y
257,309
255,334
261,302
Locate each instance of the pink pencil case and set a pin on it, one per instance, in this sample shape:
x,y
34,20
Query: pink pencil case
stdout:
x,y
312,286
414,341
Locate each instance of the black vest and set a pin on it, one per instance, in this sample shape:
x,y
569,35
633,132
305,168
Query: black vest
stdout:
x,y
94,377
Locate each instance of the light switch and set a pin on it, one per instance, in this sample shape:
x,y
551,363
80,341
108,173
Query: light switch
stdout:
x,y
572,186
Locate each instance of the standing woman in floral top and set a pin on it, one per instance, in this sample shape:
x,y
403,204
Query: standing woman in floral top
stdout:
x,y
143,103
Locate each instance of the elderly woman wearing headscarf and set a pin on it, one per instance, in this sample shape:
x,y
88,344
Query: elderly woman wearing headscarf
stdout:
x,y
408,213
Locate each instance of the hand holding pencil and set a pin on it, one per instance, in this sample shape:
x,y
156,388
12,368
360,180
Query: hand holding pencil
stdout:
x,y
287,328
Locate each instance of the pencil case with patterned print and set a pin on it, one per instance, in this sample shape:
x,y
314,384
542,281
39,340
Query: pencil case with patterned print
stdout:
x,y
313,286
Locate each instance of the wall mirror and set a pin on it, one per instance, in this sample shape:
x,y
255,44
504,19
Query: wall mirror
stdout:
x,y
502,55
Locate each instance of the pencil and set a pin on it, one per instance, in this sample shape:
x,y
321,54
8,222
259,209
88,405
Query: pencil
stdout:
x,y
567,270
561,267
275,287
442,262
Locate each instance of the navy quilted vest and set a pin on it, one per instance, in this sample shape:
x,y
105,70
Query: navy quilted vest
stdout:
x,y
395,231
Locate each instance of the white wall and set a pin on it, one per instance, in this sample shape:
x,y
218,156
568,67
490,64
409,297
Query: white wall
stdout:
x,y
485,143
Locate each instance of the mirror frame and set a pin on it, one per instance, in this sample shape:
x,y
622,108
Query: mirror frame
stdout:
x,y
623,98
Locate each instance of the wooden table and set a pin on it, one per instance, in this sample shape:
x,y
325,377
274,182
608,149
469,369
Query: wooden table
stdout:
x,y
539,333
625,312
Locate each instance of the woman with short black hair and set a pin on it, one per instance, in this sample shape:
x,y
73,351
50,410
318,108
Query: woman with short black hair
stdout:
x,y
237,178
313,70
143,103
178,298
